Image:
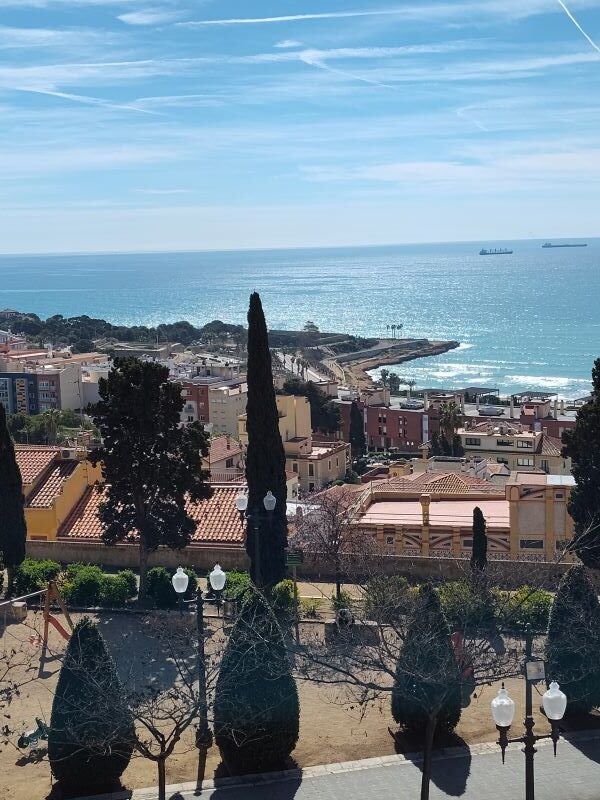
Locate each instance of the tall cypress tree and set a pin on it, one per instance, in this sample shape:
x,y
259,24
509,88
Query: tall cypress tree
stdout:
x,y
91,729
13,529
265,457
358,443
573,641
480,542
582,444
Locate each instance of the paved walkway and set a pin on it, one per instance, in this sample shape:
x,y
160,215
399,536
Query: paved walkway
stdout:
x,y
475,775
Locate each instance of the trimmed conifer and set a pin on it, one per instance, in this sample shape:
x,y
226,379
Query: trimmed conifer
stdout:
x,y
265,457
257,711
573,641
13,529
480,542
427,686
91,729
358,442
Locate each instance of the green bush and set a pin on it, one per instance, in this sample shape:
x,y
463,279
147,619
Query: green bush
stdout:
x,y
33,575
91,730
573,641
115,590
464,608
525,606
239,586
283,595
83,585
309,607
130,580
345,600
387,598
160,587
257,712
427,676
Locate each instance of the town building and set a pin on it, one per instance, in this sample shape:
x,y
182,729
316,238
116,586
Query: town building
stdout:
x,y
520,448
214,401
317,464
225,461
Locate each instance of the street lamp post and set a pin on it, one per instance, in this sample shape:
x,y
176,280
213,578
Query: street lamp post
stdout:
x,y
216,580
503,710
254,516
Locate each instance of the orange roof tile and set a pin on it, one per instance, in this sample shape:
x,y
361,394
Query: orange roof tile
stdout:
x,y
440,483
223,447
550,446
51,485
34,460
217,519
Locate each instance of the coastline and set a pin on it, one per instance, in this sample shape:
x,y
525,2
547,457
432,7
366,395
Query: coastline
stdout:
x,y
354,367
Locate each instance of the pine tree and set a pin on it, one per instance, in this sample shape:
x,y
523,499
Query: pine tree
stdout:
x,y
480,542
13,529
151,464
427,684
582,445
358,443
573,642
91,730
265,457
257,711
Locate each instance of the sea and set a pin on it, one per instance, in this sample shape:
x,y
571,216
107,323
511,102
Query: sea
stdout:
x,y
526,321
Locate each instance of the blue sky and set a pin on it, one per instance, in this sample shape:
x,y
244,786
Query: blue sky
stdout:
x,y
133,125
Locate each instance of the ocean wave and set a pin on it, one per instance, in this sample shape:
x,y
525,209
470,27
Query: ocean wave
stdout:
x,y
547,381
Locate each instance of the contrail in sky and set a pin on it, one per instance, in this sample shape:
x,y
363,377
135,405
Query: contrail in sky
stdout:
x,y
578,26
292,18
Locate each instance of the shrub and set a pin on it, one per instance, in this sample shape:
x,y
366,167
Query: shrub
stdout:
x,y
91,730
160,588
525,606
573,644
283,595
309,607
115,590
257,712
130,580
239,586
464,608
387,598
83,585
32,575
345,600
427,680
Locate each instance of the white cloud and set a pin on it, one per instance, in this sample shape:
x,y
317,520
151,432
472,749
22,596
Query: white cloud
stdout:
x,y
288,43
149,16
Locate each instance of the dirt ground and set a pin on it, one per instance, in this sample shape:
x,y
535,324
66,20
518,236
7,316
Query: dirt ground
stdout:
x,y
330,730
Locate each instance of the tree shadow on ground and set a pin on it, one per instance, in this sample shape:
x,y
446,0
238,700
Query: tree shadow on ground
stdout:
x,y
282,788
59,793
574,723
449,772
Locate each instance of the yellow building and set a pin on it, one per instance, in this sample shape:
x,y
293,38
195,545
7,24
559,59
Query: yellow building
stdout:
x,y
54,481
316,464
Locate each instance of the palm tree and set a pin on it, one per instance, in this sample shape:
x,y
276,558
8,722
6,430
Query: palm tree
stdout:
x,y
383,376
393,327
411,385
387,329
51,418
450,420
399,328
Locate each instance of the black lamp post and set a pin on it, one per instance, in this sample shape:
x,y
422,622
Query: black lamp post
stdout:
x,y
503,711
216,579
254,517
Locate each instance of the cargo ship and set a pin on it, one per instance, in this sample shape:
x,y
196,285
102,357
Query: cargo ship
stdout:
x,y
549,244
502,251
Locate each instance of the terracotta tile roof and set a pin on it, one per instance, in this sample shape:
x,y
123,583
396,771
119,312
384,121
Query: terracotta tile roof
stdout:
x,y
549,446
439,483
217,519
34,460
222,447
51,484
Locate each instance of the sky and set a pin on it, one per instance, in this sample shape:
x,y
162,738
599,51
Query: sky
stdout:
x,y
226,124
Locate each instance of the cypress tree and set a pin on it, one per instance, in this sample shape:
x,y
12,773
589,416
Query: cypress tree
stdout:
x,y
257,711
265,457
13,529
582,444
358,443
427,684
91,730
573,642
480,542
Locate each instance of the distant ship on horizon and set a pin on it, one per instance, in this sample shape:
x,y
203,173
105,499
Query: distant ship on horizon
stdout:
x,y
549,244
501,251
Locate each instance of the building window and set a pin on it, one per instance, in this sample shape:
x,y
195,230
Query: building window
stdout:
x,y
337,463
501,460
532,544
470,441
544,465
524,443
524,462
295,467
311,487
559,496
311,470
389,540
467,543
229,463
190,418
504,443
329,465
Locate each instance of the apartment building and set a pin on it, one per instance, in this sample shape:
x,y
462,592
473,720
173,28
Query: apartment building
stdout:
x,y
520,448
212,400
316,464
